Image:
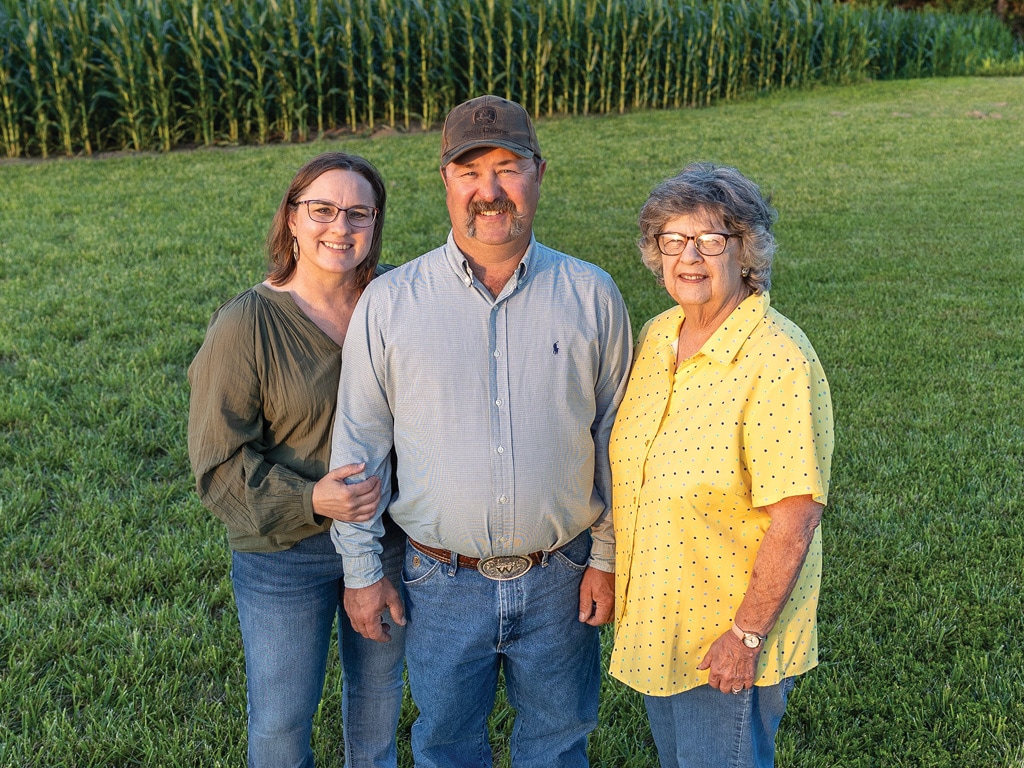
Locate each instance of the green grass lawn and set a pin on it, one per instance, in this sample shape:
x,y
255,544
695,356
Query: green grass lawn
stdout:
x,y
901,256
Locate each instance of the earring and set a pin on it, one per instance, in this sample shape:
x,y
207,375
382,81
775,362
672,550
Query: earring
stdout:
x,y
295,248
745,272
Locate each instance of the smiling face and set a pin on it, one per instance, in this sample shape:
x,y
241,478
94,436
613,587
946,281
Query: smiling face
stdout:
x,y
492,197
333,250
708,286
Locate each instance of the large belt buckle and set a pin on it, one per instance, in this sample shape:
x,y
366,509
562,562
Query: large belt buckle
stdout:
x,y
504,567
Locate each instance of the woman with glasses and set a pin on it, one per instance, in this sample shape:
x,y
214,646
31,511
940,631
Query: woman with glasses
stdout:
x,y
264,390
721,455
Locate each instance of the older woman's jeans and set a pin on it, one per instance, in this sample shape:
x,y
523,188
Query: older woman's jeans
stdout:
x,y
287,604
464,627
705,728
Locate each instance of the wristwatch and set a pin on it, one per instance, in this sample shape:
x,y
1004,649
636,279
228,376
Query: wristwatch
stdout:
x,y
749,639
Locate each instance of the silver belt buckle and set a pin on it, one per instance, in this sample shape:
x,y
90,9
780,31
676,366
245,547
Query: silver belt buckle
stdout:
x,y
504,567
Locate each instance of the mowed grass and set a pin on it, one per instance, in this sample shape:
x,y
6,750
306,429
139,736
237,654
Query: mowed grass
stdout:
x,y
902,257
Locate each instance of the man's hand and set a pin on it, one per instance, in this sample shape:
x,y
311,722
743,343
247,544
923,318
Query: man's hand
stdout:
x,y
733,666
597,597
366,608
349,503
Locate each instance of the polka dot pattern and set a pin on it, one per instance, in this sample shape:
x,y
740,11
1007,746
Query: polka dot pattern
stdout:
x,y
695,453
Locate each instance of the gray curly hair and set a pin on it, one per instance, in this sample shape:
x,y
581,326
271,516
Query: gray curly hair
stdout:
x,y
721,191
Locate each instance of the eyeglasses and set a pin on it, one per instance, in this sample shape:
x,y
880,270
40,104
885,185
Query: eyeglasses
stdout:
x,y
321,211
708,244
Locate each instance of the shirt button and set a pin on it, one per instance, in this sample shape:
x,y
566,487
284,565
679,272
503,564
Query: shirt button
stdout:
x,y
498,402
501,449
503,499
497,353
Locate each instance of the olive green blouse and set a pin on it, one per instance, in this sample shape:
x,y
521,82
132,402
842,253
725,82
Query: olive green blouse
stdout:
x,y
264,391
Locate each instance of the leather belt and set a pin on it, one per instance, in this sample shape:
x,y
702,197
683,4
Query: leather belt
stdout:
x,y
496,568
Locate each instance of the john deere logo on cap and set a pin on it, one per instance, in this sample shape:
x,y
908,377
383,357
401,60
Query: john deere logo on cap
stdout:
x,y
485,116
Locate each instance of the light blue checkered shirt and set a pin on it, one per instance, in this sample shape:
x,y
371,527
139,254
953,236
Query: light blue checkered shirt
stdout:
x,y
499,410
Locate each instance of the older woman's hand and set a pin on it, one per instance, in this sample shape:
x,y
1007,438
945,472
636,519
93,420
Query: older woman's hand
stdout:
x,y
779,559
347,502
732,665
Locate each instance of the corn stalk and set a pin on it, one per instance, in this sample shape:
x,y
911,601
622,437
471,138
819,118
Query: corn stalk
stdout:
x,y
426,41
318,42
159,79
37,75
192,24
254,69
122,65
11,106
226,66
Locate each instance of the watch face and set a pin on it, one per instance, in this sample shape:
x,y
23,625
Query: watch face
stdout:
x,y
751,641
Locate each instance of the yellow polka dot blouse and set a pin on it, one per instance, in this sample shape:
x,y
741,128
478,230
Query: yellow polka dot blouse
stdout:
x,y
695,453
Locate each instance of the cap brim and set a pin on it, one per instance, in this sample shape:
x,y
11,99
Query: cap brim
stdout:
x,y
516,149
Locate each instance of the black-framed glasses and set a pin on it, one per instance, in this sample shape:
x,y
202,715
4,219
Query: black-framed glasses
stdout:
x,y
708,244
323,212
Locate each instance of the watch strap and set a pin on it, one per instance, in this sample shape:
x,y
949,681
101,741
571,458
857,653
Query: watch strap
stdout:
x,y
740,633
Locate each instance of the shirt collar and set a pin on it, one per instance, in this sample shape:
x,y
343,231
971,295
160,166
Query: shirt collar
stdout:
x,y
725,342
460,265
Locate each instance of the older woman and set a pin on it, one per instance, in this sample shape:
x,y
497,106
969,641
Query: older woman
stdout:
x,y
264,390
720,454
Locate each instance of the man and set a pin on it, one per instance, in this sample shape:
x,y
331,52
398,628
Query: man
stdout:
x,y
493,365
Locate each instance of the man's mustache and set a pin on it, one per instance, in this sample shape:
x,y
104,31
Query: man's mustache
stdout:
x,y
504,205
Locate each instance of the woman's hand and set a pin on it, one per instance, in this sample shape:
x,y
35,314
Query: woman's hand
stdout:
x,y
347,502
777,567
732,665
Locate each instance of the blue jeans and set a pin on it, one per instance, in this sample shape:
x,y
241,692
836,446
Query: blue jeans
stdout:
x,y
287,604
464,627
705,728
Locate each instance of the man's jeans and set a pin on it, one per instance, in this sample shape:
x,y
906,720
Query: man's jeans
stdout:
x,y
463,627
705,728
287,603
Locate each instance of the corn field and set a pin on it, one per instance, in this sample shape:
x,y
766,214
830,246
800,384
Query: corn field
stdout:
x,y
82,76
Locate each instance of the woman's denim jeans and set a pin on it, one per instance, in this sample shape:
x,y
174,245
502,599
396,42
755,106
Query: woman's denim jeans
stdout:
x,y
464,627
287,604
705,728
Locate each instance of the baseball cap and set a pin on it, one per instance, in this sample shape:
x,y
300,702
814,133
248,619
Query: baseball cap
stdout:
x,y
488,121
